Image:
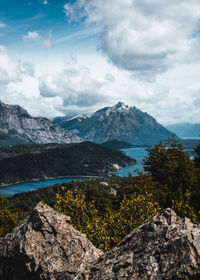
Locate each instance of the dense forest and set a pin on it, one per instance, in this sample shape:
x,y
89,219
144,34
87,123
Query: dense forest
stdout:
x,y
106,209
25,163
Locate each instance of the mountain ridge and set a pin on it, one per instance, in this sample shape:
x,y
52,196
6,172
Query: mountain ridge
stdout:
x,y
17,126
185,129
118,122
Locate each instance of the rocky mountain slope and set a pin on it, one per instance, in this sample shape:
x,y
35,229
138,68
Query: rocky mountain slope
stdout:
x,y
45,246
29,162
185,129
18,127
119,122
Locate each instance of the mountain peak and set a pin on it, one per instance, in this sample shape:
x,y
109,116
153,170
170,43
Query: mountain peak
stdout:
x,y
119,122
121,105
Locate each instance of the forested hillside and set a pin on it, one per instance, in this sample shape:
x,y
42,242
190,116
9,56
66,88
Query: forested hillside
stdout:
x,y
30,162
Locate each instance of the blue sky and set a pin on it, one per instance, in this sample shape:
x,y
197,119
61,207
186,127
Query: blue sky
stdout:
x,y
62,57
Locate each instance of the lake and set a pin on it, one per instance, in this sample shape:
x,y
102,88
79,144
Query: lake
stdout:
x,y
34,185
137,153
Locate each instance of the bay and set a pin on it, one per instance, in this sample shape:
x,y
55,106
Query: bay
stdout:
x,y
136,153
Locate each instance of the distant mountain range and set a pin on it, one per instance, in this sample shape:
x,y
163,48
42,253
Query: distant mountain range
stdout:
x,y
119,122
18,127
185,129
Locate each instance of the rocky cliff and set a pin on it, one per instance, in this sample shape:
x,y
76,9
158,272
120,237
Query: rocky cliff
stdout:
x,y
119,122
45,246
18,127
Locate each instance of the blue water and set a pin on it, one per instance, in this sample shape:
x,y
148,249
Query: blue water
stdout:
x,y
136,153
32,186
191,137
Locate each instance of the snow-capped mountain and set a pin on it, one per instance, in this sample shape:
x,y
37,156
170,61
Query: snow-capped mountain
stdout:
x,y
119,122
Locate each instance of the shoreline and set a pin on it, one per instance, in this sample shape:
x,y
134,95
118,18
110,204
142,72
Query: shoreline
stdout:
x,y
67,176
49,178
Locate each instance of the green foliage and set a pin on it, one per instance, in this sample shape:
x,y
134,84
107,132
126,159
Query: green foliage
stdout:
x,y
183,207
106,229
197,156
168,164
176,178
7,219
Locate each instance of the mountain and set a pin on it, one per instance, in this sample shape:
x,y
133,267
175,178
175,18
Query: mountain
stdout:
x,y
25,163
119,122
18,127
185,129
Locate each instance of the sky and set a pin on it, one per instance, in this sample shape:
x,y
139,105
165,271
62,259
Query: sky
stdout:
x,y
66,57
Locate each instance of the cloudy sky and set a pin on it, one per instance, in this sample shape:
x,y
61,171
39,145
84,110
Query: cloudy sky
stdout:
x,y
62,57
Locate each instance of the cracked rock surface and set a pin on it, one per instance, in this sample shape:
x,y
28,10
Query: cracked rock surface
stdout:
x,y
45,246
165,248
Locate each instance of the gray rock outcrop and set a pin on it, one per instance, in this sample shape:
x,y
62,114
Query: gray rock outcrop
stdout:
x,y
45,246
165,248
15,121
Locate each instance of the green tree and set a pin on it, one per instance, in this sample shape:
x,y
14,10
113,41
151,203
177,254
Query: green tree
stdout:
x,y
170,166
7,219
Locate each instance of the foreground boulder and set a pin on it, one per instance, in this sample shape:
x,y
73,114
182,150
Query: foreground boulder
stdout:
x,y
165,248
45,246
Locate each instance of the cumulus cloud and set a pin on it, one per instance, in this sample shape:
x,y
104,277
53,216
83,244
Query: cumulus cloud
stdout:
x,y
12,71
77,87
9,70
46,40
31,35
141,36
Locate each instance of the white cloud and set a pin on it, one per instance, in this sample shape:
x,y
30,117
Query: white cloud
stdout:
x,y
76,86
13,71
45,2
31,35
142,36
9,70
